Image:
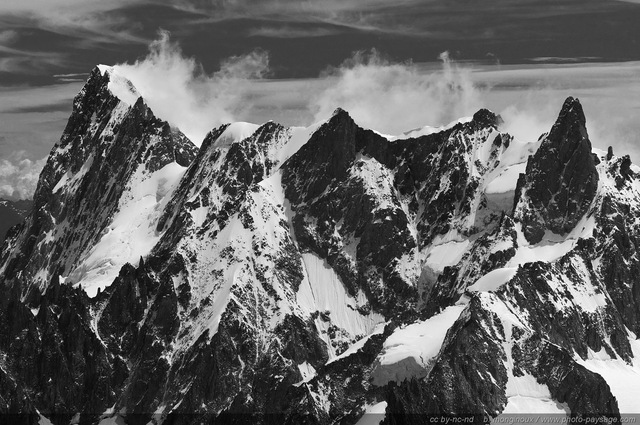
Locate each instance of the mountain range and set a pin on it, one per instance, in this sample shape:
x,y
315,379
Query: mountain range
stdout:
x,y
322,274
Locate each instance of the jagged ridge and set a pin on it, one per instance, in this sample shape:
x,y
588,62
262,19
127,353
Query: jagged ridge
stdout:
x,y
290,269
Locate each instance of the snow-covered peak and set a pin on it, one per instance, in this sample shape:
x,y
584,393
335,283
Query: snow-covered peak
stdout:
x,y
119,86
426,130
235,132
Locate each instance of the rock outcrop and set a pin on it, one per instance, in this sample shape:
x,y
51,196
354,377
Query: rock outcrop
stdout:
x,y
561,177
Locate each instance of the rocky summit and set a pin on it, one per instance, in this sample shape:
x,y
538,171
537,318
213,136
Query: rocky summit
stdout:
x,y
320,275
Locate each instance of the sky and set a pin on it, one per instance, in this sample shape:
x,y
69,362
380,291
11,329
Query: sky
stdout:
x,y
393,65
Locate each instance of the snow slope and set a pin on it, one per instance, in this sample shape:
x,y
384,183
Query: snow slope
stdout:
x,y
322,291
409,350
623,378
132,232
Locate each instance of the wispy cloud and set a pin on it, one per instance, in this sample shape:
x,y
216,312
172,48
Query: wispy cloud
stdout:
x,y
44,37
178,89
528,96
72,17
362,15
490,19
74,77
28,62
385,95
32,118
395,97
289,31
380,94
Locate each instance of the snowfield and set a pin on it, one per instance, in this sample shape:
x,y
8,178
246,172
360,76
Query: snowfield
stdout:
x,y
410,350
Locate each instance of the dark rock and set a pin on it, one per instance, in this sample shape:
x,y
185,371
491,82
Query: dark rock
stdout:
x,y
586,393
486,118
561,178
468,378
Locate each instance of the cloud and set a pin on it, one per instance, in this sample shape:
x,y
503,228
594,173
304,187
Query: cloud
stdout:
x,y
288,31
493,20
72,17
178,89
72,78
21,98
28,63
8,37
389,97
396,97
362,15
530,97
19,176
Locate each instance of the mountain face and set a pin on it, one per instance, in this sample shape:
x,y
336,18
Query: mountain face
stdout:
x,y
315,275
12,213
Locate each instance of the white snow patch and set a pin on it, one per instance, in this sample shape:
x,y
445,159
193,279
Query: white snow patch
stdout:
x,y
235,132
493,280
359,344
373,414
426,130
199,215
43,421
526,395
507,180
322,290
113,420
508,317
307,371
132,232
502,246
409,267
446,254
410,350
299,137
518,152
104,69
623,379
552,246
421,340
120,86
273,184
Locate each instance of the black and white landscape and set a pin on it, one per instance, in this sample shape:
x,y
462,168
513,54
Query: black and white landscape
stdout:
x,y
382,249
313,274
